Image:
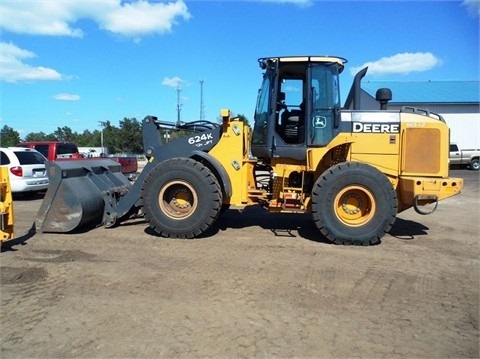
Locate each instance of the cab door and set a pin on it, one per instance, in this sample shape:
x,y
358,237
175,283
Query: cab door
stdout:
x,y
323,105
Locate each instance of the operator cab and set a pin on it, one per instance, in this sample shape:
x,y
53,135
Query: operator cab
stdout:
x,y
298,105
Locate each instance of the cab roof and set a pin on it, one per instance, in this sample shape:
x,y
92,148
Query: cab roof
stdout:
x,y
263,61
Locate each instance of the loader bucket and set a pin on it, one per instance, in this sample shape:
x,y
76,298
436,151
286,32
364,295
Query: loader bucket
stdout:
x,y
80,193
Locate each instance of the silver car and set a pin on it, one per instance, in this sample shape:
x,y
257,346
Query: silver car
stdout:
x,y
26,169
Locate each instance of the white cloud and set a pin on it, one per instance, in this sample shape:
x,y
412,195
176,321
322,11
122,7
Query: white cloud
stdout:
x,y
301,3
41,17
58,18
143,17
400,64
473,7
66,97
172,81
14,69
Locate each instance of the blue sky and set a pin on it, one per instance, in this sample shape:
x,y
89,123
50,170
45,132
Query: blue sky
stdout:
x,y
78,63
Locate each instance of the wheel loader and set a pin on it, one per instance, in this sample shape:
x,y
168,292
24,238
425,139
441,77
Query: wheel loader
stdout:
x,y
6,207
353,170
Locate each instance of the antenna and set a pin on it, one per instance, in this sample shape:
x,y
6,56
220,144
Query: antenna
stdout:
x,y
202,107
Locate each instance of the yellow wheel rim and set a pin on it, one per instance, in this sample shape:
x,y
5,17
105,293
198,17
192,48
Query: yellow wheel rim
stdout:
x,y
178,200
355,206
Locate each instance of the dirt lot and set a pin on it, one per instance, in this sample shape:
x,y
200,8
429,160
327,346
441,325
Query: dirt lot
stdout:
x,y
259,285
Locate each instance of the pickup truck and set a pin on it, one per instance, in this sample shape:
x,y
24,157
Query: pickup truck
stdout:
x,y
57,151
464,158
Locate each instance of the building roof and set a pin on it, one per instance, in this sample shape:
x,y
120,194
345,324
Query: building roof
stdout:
x,y
466,92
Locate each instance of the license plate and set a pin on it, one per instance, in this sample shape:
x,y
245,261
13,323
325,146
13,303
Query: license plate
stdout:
x,y
38,173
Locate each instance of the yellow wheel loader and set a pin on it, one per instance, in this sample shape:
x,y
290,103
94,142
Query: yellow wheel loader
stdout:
x,y
352,169
6,207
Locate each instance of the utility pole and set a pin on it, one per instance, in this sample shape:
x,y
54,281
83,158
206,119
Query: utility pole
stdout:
x,y
179,105
202,107
103,124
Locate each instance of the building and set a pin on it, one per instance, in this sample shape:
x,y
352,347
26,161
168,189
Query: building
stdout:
x,y
457,101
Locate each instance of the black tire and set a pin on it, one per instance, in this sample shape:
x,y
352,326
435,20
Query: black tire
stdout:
x,y
353,203
474,165
181,198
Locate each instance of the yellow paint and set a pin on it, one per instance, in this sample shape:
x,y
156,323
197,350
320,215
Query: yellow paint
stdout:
x,y
232,151
6,206
415,161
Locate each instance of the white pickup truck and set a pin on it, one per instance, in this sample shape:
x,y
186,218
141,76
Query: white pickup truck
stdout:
x,y
464,158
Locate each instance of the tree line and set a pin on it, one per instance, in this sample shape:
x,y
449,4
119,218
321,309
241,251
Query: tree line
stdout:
x,y
126,138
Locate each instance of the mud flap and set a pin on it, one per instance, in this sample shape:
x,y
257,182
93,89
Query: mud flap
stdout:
x,y
81,193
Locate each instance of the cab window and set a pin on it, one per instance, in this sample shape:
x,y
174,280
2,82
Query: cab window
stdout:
x,y
261,113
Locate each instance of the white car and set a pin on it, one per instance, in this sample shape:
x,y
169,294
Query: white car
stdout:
x,y
26,168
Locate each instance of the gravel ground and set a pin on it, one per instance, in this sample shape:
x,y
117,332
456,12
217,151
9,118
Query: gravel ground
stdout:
x,y
258,285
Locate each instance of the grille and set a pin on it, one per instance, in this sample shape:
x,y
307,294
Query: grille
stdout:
x,y
422,150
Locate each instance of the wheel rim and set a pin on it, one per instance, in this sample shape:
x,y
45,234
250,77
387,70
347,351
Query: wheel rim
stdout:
x,y
178,200
355,205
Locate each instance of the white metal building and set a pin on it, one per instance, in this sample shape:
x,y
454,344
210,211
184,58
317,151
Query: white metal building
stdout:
x,y
457,101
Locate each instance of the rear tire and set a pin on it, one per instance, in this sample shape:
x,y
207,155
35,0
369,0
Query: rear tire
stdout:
x,y
181,198
353,203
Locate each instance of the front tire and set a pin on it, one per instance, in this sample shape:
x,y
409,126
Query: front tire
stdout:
x,y
353,203
181,198
474,165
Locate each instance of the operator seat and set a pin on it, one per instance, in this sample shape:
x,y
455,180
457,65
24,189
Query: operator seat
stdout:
x,y
293,124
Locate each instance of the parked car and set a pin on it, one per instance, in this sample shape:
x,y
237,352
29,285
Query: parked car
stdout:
x,y
57,151
26,169
464,157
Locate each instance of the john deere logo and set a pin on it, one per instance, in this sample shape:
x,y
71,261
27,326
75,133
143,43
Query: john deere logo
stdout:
x,y
319,122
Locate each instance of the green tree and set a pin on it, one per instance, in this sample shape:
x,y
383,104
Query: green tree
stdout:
x,y
89,139
8,137
40,136
130,136
110,137
65,134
